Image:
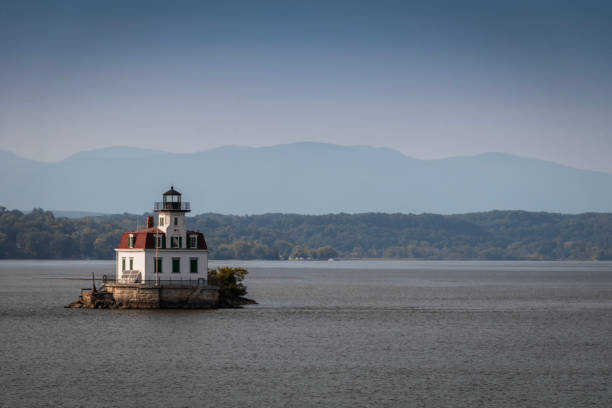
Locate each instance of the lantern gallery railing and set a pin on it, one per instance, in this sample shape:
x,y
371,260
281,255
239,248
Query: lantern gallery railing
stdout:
x,y
172,206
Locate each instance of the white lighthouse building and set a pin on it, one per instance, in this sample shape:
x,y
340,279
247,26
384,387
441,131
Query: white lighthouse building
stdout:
x,y
166,252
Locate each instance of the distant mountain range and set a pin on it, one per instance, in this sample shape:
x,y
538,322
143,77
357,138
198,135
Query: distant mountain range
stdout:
x,y
306,178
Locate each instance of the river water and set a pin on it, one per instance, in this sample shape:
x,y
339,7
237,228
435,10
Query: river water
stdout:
x,y
333,334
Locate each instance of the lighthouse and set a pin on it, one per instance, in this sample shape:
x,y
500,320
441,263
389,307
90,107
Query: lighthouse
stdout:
x,y
164,253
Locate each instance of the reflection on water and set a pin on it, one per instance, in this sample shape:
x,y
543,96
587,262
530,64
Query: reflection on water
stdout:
x,y
349,333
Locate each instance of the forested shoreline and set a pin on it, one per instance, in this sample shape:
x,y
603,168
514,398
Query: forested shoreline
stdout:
x,y
494,235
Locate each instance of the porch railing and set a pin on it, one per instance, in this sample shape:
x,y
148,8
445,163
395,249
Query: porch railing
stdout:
x,y
175,283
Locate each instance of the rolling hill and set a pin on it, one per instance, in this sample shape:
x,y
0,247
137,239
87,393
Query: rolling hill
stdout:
x,y
306,178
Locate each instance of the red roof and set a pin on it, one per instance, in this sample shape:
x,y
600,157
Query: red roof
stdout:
x,y
144,239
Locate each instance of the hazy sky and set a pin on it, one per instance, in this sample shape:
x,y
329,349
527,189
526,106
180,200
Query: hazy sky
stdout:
x,y
431,79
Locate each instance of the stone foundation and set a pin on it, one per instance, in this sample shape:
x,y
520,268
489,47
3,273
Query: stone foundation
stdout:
x,y
143,296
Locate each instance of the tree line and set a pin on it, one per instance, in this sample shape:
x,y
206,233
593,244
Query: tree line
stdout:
x,y
494,235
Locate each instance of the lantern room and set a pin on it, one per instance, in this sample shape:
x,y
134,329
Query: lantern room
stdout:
x,y
172,202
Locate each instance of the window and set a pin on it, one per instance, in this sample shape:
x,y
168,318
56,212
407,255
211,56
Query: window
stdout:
x,y
131,264
161,221
193,241
177,242
193,265
176,265
131,240
123,264
175,220
159,241
172,198
158,265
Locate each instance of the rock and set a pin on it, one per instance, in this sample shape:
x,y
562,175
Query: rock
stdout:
x,y
77,304
235,303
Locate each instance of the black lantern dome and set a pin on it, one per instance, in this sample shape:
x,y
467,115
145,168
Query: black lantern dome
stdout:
x,y
172,202
172,196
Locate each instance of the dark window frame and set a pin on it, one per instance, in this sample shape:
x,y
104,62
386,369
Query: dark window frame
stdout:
x,y
176,265
159,240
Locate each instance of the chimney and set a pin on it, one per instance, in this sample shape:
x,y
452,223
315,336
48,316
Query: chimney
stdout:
x,y
150,222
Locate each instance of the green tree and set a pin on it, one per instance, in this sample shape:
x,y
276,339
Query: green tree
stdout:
x,y
300,251
242,249
229,281
326,252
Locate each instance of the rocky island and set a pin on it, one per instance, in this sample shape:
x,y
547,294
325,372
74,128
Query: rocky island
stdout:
x,y
223,290
166,266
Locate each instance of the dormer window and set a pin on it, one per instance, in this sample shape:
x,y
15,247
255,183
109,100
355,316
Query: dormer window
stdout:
x,y
159,241
193,241
131,240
